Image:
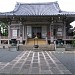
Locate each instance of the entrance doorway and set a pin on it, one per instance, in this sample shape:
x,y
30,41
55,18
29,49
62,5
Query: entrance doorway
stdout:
x,y
36,31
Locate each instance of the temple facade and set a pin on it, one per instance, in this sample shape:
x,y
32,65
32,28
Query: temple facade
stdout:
x,y
46,21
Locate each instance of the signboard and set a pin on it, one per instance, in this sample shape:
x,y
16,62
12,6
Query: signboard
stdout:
x,y
29,31
59,29
14,33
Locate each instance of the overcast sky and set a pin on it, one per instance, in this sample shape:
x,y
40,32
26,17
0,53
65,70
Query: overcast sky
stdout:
x,y
8,5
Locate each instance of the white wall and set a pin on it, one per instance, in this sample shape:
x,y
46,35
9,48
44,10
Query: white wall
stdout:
x,y
29,31
44,31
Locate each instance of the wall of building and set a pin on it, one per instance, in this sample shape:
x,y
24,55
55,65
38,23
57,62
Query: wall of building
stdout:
x,y
53,30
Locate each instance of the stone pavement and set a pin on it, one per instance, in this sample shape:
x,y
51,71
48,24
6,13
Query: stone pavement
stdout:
x,y
34,62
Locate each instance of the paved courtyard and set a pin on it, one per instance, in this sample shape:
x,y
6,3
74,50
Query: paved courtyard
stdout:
x,y
32,62
67,58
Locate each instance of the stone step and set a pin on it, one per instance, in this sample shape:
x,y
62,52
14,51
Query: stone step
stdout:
x,y
41,47
39,41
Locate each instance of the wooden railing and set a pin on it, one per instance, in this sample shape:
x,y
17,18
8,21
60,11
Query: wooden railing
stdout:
x,y
66,37
69,37
3,37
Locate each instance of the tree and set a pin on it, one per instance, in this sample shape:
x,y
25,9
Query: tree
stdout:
x,y
3,29
74,37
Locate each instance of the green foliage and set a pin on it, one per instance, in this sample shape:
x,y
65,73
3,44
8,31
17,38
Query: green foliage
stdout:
x,y
4,29
5,34
73,42
3,25
73,33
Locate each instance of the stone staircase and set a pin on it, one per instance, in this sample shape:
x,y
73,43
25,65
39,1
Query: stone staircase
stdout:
x,y
40,48
39,41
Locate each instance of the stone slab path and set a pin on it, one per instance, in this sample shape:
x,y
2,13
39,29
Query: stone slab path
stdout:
x,y
34,62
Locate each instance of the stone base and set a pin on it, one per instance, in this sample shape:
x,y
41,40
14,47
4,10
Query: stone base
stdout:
x,y
60,49
13,48
36,46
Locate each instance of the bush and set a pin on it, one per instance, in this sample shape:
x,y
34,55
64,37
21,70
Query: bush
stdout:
x,y
73,43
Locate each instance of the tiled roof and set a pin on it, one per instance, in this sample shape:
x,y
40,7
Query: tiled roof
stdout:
x,y
2,13
36,9
51,8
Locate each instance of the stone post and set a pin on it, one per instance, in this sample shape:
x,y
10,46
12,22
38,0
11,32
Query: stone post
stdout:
x,y
0,39
8,33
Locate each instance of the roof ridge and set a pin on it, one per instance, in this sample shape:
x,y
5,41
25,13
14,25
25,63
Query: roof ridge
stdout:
x,y
18,4
37,3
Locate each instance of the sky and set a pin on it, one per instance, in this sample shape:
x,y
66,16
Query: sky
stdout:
x,y
65,5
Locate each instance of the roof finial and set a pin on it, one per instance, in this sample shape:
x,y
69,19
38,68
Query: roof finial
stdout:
x,y
56,1
18,3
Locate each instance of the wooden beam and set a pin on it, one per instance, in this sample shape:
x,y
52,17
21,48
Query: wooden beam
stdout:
x,y
36,22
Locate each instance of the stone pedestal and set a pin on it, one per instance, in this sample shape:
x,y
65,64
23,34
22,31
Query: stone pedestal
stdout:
x,y
13,48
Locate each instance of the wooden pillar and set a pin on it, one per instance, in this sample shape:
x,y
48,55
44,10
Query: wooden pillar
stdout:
x,y
64,28
52,37
19,31
50,32
23,32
